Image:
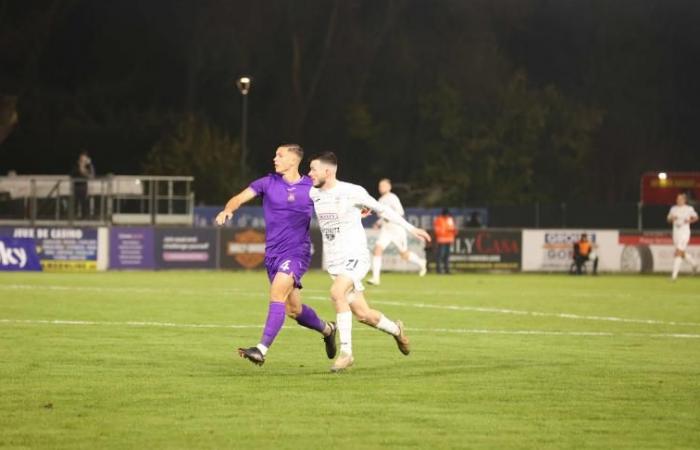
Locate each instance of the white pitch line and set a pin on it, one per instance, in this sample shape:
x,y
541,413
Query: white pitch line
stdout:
x,y
419,330
247,292
527,313
128,324
143,290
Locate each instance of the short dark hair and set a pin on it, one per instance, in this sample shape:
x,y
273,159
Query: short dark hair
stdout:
x,y
294,148
327,158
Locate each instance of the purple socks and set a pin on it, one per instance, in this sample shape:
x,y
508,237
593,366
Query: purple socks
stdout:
x,y
273,324
309,319
275,319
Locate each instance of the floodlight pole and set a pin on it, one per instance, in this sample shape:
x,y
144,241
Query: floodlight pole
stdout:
x,y
243,84
640,205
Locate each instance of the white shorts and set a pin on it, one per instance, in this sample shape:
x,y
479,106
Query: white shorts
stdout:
x,y
680,240
355,268
392,235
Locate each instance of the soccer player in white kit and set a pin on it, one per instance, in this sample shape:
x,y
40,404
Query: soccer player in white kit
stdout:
x,y
681,216
338,207
392,233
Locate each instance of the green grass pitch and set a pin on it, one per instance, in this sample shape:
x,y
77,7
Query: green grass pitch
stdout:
x,y
147,360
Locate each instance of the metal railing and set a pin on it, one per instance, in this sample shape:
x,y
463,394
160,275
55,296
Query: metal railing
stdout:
x,y
115,199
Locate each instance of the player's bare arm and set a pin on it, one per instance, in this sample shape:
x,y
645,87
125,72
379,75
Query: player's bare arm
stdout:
x,y
233,204
392,216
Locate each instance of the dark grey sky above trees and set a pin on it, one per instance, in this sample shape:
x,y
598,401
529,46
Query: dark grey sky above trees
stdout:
x,y
464,102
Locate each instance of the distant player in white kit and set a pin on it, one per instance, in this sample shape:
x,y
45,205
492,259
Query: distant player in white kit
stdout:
x,y
338,207
681,216
392,233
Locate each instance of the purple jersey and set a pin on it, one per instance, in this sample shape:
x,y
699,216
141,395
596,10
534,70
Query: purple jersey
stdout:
x,y
288,210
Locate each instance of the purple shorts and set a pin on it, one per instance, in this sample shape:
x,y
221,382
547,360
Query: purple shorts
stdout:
x,y
291,265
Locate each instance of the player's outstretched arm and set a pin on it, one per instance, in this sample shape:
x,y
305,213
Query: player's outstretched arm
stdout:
x,y
386,212
421,234
233,204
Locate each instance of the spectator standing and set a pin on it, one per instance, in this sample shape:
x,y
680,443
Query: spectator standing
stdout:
x,y
81,173
445,233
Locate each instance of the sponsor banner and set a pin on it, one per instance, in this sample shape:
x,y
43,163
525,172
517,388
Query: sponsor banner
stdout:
x,y
658,190
131,248
486,250
553,250
391,260
185,248
60,248
18,254
244,217
244,248
652,252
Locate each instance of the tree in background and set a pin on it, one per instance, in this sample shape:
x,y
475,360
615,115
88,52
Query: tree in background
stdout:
x,y
528,145
195,148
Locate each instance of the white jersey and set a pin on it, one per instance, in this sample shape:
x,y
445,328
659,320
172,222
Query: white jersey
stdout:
x,y
390,200
338,211
682,216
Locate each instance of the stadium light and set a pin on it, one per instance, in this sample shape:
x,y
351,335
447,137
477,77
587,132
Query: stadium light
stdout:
x,y
244,84
663,176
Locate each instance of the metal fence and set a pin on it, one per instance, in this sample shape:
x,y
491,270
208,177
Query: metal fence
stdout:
x,y
118,199
126,199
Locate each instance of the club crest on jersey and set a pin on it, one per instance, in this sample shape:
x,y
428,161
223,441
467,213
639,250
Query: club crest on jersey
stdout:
x,y
290,197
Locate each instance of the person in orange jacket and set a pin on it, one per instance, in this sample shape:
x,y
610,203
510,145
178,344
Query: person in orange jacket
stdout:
x,y
584,251
445,233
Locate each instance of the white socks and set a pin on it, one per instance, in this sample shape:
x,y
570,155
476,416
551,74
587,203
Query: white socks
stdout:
x,y
262,349
376,267
388,326
676,267
343,321
415,259
677,261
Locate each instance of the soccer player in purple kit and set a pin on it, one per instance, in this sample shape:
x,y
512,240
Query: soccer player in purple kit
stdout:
x,y
288,210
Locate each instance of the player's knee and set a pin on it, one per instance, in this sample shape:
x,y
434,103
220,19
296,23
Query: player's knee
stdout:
x,y
292,311
337,294
404,256
279,294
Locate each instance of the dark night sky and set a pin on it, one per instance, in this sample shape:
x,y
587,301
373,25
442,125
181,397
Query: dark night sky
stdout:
x,y
407,89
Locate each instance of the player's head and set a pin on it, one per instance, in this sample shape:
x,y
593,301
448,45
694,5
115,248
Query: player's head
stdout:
x,y
384,186
445,212
323,167
681,199
288,157
584,237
